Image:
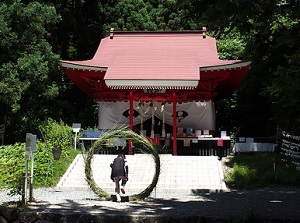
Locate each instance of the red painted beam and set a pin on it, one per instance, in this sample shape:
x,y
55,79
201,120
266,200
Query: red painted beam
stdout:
x,y
174,124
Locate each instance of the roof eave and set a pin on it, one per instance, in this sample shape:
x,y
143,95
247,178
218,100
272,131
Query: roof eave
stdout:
x,y
152,84
69,65
226,66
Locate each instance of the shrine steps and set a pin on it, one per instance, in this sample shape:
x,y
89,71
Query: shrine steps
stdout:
x,y
179,174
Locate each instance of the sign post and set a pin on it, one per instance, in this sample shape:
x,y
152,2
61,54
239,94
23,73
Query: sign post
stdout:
x,y
33,149
29,154
76,128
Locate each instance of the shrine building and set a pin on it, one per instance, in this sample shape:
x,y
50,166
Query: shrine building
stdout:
x,y
160,84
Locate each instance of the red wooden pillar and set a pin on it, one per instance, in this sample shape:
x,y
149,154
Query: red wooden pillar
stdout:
x,y
130,150
174,124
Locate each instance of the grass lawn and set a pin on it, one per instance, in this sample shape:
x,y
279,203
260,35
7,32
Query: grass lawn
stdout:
x,y
61,166
250,171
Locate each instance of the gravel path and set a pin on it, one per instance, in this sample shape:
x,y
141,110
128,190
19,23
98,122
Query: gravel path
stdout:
x,y
266,203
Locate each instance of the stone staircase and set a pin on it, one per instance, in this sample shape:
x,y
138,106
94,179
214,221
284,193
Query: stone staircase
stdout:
x,y
179,174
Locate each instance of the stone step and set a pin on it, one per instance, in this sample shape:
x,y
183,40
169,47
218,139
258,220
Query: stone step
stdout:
x,y
178,173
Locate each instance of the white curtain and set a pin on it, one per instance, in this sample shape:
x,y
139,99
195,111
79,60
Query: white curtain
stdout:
x,y
196,115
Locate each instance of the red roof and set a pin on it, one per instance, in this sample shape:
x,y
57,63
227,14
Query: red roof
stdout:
x,y
155,60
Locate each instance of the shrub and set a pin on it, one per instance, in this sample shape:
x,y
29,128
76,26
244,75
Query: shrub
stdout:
x,y
12,166
47,171
57,134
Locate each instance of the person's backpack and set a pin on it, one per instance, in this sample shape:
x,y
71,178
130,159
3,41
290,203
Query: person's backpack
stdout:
x,y
118,167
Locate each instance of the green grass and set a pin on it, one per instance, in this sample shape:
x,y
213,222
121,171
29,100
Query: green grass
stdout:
x,y
59,167
257,170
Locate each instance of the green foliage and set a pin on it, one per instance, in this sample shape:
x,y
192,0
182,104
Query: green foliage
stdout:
x,y
139,15
167,16
47,171
12,166
26,58
27,65
231,46
43,165
257,170
245,175
270,31
133,15
57,134
78,34
35,34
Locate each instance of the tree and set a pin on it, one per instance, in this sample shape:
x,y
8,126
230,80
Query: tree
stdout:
x,y
272,33
80,30
139,15
76,37
168,16
129,15
27,63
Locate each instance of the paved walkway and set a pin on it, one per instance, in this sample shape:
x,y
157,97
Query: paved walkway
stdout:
x,y
276,204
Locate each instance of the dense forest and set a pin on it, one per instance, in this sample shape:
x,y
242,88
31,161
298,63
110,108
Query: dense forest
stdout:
x,y
35,35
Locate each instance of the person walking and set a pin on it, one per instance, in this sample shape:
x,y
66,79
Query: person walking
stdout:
x,y
119,173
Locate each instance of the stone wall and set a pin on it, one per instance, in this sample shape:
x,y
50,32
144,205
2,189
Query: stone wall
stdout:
x,y
13,215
